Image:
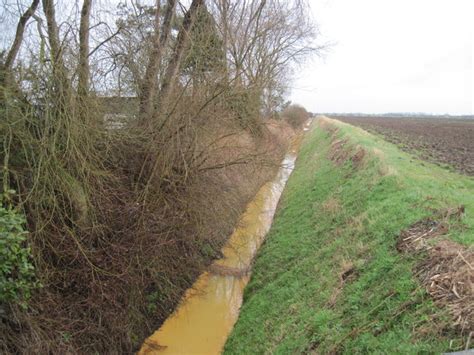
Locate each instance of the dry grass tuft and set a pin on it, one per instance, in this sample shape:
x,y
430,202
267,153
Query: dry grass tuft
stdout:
x,y
358,157
448,270
347,273
357,222
448,275
332,205
341,151
338,152
418,235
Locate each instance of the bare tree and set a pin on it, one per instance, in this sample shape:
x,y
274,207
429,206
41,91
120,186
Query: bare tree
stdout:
x,y
60,78
20,29
102,197
264,39
160,40
6,75
176,59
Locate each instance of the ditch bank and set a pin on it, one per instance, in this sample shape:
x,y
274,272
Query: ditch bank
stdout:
x,y
140,258
209,309
364,239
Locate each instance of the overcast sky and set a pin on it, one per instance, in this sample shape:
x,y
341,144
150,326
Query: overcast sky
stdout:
x,y
391,56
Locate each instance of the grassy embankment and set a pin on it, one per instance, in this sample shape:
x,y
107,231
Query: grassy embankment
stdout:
x,y
329,277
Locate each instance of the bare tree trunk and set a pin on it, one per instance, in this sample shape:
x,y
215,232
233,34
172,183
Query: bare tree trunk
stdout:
x,y
149,84
53,33
83,69
175,62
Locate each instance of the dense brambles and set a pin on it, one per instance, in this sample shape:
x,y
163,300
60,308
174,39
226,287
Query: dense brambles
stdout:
x,y
134,136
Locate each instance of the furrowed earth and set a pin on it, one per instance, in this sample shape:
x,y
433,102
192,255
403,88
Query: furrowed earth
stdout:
x,y
448,142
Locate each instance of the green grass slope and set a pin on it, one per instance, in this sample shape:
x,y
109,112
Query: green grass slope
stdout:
x,y
329,277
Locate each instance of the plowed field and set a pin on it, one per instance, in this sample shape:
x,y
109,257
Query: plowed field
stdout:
x,y
444,141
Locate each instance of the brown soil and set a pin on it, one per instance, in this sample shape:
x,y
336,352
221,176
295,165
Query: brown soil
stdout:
x,y
439,140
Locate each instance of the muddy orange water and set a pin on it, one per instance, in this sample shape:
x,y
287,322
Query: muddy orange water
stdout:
x,y
209,309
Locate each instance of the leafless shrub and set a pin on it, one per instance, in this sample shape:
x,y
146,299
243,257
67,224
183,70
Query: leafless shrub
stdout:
x,y
295,115
115,209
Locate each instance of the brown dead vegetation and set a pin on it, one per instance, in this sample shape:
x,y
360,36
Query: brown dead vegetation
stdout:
x,y
140,255
331,205
326,124
447,271
348,273
358,157
341,150
128,200
295,115
448,274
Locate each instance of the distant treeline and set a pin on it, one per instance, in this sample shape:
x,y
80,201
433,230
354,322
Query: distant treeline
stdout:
x,y
399,115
